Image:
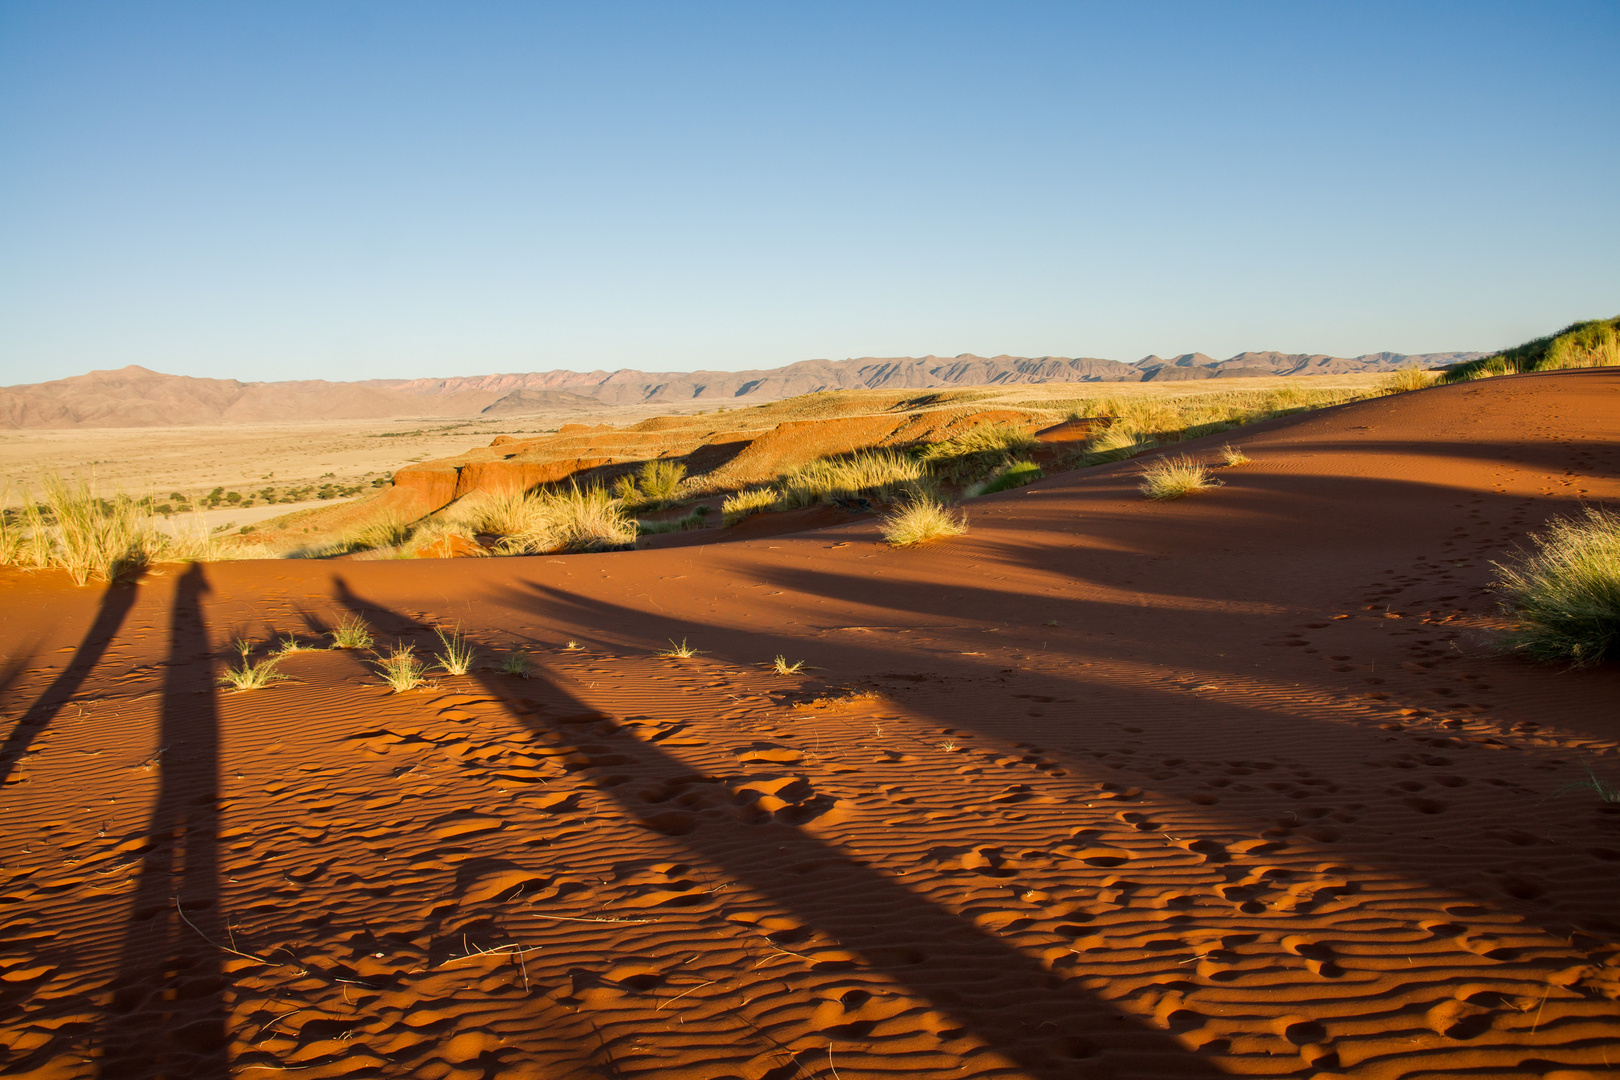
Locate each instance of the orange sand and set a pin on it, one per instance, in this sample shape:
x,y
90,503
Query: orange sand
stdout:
x,y
1105,787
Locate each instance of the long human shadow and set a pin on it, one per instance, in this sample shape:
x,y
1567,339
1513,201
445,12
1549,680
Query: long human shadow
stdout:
x,y
729,644
992,991
167,1017
116,603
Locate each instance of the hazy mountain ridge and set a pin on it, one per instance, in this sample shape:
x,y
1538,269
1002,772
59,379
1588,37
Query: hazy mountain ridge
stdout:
x,y
138,397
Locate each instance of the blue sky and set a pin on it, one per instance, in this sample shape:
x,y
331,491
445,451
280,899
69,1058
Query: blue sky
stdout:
x,y
358,190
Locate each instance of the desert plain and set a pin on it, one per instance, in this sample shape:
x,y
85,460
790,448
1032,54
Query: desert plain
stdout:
x,y
1235,784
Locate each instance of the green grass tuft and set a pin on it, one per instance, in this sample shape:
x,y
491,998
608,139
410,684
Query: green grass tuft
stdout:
x,y
458,654
1564,595
401,670
251,676
352,633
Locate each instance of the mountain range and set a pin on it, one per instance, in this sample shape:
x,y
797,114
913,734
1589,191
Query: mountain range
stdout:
x,y
138,397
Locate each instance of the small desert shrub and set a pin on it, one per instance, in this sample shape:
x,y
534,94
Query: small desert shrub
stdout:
x,y
1173,476
978,453
1405,380
660,480
400,669
516,663
919,519
676,652
1015,475
1565,594
747,503
251,676
457,657
656,484
290,644
1231,456
781,666
352,633
877,474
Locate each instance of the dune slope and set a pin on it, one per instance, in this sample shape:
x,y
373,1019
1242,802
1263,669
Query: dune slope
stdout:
x,y
1106,787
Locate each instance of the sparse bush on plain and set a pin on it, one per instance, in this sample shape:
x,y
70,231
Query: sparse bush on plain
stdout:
x,y
1173,476
401,670
876,474
747,503
352,633
458,654
1564,595
920,519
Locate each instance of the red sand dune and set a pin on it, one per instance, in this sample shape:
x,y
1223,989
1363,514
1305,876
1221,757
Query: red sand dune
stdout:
x,y
1106,787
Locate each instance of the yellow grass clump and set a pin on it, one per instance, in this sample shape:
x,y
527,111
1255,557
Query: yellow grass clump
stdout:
x,y
877,474
1173,476
1406,380
920,519
747,503
573,519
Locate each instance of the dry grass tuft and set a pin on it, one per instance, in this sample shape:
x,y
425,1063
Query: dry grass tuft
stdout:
x,y
677,652
75,529
401,670
1173,476
1231,456
920,519
978,453
747,503
516,663
251,676
1406,380
573,520
1565,595
458,654
352,633
781,666
876,474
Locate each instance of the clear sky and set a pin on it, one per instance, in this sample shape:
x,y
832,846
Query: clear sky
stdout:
x,y
374,189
